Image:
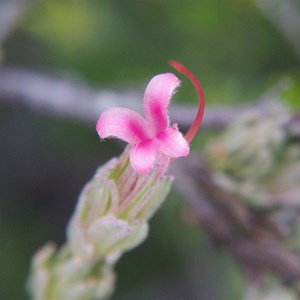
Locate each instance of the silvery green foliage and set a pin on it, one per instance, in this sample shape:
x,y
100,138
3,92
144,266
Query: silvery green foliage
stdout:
x,y
258,157
111,218
61,275
269,289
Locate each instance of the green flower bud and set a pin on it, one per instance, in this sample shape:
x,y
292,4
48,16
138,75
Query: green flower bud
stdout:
x,y
113,209
257,159
59,275
111,217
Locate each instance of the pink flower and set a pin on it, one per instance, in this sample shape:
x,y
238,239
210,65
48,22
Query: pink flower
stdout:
x,y
152,135
152,138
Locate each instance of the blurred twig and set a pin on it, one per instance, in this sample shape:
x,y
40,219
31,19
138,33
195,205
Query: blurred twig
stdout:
x,y
74,99
285,16
251,238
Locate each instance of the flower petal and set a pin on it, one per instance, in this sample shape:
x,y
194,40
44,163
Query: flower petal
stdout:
x,y
172,143
156,100
142,156
122,123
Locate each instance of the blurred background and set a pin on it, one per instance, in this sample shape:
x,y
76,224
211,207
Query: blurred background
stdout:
x,y
237,49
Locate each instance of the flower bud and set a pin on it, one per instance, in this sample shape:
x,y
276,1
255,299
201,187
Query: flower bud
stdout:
x,y
60,275
258,159
113,209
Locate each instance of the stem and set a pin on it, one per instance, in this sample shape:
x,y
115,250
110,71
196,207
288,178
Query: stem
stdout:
x,y
197,122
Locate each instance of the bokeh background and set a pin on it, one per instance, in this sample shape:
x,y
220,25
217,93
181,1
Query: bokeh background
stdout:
x,y
232,47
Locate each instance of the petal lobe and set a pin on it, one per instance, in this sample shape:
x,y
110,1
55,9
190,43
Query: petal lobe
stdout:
x,y
157,98
122,123
172,143
142,156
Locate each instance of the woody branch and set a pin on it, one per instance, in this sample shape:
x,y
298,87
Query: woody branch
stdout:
x,y
64,97
253,239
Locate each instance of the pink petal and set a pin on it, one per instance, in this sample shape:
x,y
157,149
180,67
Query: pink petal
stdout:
x,y
142,156
172,143
122,123
157,98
